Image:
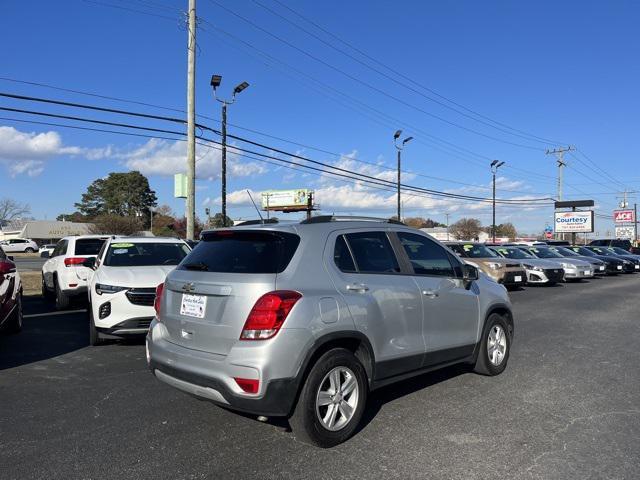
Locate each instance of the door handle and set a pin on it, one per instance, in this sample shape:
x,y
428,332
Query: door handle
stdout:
x,y
357,287
430,293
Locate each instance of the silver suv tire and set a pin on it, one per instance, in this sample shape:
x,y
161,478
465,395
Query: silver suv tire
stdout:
x,y
495,346
332,400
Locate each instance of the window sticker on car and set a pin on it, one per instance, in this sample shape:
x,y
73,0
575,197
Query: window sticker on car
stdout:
x,y
467,248
121,245
534,250
503,250
120,251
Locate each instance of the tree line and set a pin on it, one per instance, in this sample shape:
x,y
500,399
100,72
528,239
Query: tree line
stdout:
x,y
123,204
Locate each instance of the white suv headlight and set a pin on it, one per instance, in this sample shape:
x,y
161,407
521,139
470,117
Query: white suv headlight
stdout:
x,y
567,265
102,288
495,266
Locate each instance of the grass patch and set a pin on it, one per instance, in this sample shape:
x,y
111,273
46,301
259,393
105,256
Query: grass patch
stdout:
x,y
31,283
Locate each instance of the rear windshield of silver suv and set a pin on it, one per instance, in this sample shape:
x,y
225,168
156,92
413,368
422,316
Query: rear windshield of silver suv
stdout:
x,y
242,251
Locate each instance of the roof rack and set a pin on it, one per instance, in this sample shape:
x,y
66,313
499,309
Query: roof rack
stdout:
x,y
347,218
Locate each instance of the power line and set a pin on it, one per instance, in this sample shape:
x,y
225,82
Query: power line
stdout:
x,y
172,119
368,85
400,74
394,78
155,117
359,176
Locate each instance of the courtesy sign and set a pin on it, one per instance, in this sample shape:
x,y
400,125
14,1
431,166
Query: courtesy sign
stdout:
x,y
573,222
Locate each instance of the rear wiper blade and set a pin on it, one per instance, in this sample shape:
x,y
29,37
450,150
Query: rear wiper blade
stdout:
x,y
197,266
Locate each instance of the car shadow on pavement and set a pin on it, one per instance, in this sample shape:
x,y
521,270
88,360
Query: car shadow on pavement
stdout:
x,y
378,398
46,333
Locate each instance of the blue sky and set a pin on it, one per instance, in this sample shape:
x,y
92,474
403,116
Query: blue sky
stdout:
x,y
563,71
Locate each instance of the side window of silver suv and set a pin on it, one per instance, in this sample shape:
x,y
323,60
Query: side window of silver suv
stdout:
x,y
372,252
426,257
342,256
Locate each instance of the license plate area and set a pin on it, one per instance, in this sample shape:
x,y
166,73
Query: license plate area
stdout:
x,y
517,278
193,305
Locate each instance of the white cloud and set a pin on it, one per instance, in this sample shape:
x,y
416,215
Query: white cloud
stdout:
x,y
166,158
26,152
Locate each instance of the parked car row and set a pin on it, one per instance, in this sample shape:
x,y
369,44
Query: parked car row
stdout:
x,y
117,275
304,320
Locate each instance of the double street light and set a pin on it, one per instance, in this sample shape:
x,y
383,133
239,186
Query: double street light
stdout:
x,y
399,147
495,165
216,80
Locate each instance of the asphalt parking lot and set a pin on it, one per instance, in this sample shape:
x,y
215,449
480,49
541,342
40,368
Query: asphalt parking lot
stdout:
x,y
567,407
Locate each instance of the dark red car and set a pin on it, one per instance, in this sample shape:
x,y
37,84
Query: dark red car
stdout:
x,y
10,295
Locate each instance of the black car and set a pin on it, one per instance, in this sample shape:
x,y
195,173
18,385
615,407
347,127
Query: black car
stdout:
x,y
557,243
625,255
614,265
630,265
612,242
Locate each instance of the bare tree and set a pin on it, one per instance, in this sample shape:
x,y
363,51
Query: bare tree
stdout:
x,y
11,210
466,229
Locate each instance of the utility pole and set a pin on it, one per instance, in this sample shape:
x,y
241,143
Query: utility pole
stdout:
x,y
495,165
447,215
399,147
559,153
191,122
635,224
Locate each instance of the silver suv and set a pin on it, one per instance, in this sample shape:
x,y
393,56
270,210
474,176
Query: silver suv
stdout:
x,y
304,320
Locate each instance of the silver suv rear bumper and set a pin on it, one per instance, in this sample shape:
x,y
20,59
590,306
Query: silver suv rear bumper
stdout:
x,y
211,376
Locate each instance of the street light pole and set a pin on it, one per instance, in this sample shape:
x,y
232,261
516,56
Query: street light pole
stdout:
x,y
399,147
224,163
495,165
216,80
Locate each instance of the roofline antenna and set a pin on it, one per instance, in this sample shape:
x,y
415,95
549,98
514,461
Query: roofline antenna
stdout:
x,y
255,206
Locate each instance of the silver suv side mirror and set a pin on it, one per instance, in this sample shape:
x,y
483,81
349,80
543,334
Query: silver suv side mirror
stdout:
x,y
470,273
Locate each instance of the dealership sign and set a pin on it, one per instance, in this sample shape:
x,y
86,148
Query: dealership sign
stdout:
x,y
623,216
574,222
625,233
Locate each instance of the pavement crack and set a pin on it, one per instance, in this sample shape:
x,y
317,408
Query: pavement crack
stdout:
x,y
565,428
96,406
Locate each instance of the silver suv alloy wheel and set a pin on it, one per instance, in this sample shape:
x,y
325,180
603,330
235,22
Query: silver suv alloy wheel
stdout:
x,y
337,398
496,345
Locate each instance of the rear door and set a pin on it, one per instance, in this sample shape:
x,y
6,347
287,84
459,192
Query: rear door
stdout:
x,y
225,274
383,300
86,248
450,309
53,263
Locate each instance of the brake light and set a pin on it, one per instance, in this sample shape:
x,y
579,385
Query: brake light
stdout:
x,y
248,385
73,261
158,299
268,314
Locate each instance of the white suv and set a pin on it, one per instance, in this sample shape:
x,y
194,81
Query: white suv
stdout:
x,y
17,245
122,290
63,275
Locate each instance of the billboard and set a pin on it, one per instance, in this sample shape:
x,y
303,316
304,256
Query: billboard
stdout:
x,y
286,199
623,216
625,233
573,222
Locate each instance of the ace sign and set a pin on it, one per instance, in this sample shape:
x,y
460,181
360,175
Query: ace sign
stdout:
x,y
623,216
